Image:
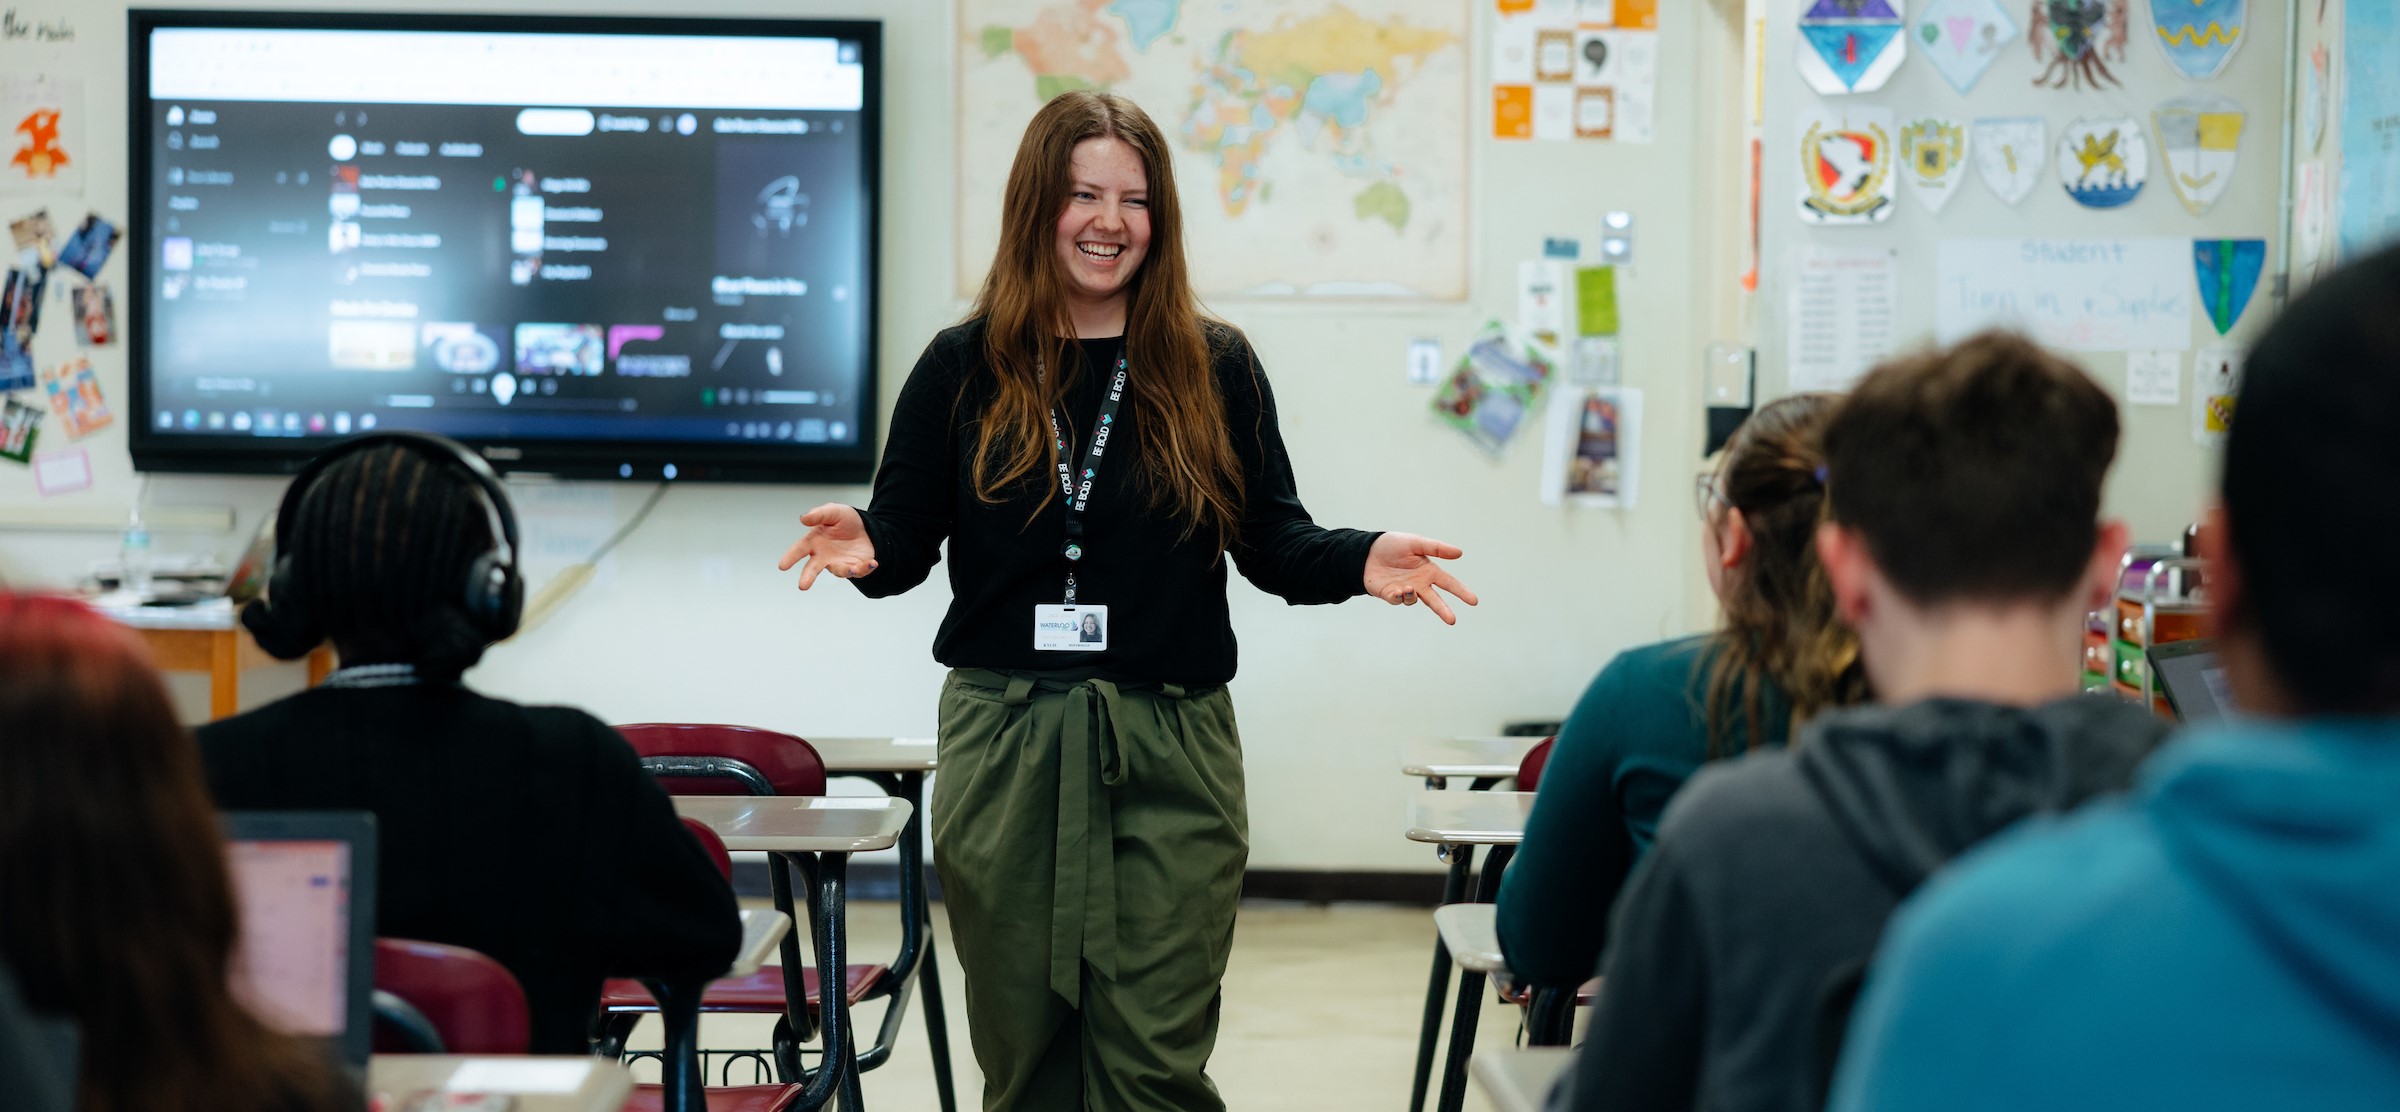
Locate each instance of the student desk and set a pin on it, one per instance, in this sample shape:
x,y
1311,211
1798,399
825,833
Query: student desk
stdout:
x,y
207,638
1455,823
1483,760
762,932
898,766
817,834
1519,1080
539,1084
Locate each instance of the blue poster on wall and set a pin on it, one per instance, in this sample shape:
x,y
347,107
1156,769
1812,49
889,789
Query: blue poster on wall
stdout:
x,y
2368,208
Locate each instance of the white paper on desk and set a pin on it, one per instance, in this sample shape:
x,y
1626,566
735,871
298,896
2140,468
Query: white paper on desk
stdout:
x,y
849,803
519,1075
1842,308
2070,294
2154,378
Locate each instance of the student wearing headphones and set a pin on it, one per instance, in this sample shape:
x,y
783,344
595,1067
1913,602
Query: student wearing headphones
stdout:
x,y
531,834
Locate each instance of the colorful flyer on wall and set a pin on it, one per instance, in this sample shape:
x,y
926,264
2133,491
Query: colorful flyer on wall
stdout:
x,y
1591,449
19,425
95,315
87,250
43,116
1846,165
33,234
1564,71
75,398
2216,378
1493,387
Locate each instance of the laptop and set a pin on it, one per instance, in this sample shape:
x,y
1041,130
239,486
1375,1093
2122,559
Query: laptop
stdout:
x,y
2192,678
305,884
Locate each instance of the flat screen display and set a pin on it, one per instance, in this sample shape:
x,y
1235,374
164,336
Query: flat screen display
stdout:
x,y
639,249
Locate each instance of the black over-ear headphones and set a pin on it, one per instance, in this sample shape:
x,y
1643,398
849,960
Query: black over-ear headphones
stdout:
x,y
493,594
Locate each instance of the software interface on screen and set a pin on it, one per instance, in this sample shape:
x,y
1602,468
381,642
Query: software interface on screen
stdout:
x,y
506,235
293,970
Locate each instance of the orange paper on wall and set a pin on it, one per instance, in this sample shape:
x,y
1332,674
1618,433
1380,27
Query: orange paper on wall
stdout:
x,y
1512,111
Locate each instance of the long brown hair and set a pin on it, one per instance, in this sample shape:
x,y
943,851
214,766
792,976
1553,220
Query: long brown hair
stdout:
x,y
116,908
1188,464
1780,628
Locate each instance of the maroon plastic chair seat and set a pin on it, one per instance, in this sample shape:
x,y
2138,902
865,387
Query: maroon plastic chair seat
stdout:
x,y
790,764
473,1002
1529,770
758,993
732,1098
714,845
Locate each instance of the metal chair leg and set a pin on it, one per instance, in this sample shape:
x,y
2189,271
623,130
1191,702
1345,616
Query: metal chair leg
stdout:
x,y
1437,988
1470,995
1550,1016
937,1027
836,1074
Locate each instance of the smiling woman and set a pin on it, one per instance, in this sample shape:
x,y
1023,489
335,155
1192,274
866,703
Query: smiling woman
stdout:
x,y
1089,824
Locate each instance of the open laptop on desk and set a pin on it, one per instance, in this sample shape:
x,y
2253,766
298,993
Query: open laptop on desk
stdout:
x,y
2192,678
305,883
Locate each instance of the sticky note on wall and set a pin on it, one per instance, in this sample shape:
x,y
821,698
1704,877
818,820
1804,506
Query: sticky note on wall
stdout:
x,y
1596,300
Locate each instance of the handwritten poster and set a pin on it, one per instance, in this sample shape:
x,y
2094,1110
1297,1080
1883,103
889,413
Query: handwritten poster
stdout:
x,y
1843,305
2071,294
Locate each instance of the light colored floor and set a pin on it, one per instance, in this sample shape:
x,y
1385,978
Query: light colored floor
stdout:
x,y
1321,1013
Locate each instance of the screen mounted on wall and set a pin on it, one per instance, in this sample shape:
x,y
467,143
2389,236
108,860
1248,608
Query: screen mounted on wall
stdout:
x,y
624,248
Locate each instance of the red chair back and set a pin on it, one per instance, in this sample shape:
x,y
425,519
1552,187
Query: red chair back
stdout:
x,y
474,1003
713,844
1529,770
788,763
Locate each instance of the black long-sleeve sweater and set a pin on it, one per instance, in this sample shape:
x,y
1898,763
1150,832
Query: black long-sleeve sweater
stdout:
x,y
1165,592
531,834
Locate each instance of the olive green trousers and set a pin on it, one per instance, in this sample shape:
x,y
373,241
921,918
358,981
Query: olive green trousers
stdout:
x,y
1090,838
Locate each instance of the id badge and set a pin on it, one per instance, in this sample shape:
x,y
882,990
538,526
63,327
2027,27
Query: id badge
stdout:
x,y
1070,629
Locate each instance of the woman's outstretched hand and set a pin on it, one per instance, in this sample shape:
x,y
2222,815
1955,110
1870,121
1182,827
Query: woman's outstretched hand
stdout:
x,y
836,542
1401,571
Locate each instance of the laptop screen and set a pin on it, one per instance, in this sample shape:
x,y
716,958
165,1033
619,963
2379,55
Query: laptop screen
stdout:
x,y
304,883
2193,679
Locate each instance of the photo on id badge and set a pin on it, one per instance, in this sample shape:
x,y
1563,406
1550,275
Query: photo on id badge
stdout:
x,y
1070,629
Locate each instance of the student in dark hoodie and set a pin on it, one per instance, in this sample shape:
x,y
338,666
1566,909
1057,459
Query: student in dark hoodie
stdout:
x,y
531,834
2227,936
1964,545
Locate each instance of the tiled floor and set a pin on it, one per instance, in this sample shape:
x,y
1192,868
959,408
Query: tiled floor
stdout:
x,y
1321,1012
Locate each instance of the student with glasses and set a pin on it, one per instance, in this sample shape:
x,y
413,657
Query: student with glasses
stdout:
x,y
1658,712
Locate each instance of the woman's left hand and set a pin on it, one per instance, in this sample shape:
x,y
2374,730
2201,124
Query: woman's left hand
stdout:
x,y
1401,571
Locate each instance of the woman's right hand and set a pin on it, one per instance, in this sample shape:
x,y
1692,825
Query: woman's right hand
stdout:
x,y
836,541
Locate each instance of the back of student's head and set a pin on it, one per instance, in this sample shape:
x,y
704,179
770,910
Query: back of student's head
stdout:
x,y
116,908
1779,627
380,547
2311,465
1973,473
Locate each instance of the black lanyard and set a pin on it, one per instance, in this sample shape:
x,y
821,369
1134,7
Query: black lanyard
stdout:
x,y
1078,497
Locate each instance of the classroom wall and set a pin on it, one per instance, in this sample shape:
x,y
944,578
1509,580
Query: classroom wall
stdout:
x,y
2162,475
688,619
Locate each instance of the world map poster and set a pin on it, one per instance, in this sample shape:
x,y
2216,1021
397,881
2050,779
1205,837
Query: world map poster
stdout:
x,y
1320,148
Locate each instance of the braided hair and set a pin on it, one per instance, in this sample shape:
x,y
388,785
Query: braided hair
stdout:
x,y
380,550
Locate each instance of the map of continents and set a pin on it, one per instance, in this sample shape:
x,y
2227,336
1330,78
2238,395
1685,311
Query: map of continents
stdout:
x,y
1320,147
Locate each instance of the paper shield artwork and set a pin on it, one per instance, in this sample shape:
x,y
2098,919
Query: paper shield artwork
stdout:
x,y
2199,36
1933,155
1850,46
2104,162
2201,135
2074,40
2228,271
1846,166
1961,38
2010,152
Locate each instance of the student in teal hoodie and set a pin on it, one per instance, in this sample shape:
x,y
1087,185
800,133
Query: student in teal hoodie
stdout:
x,y
2227,937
